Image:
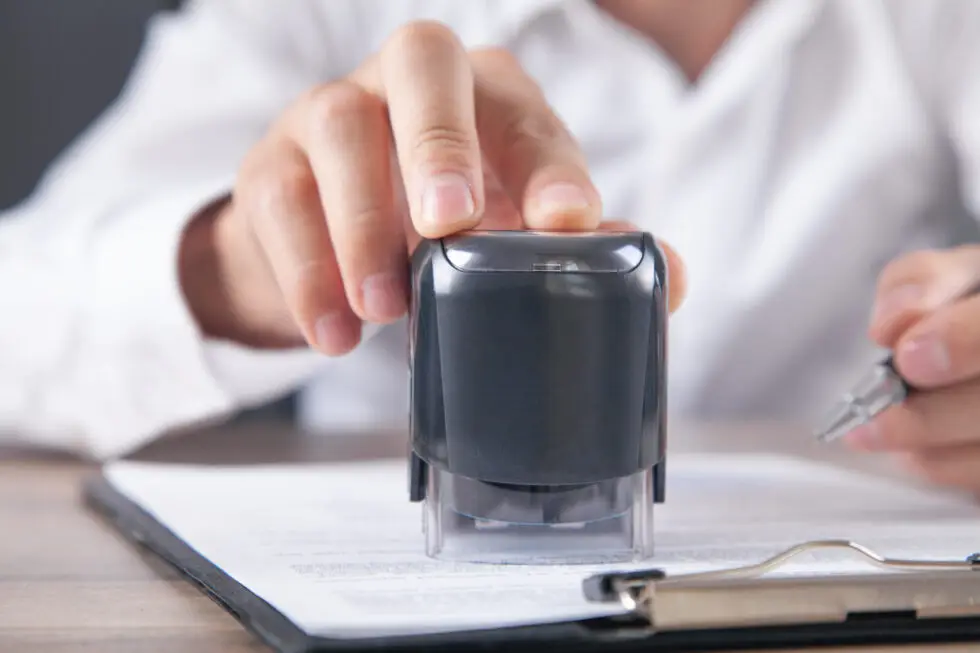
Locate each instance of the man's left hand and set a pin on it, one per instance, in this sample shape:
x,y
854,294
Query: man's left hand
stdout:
x,y
921,314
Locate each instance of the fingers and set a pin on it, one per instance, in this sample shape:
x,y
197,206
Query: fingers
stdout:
x,y
448,107
428,84
935,436
676,270
677,276
938,419
279,194
925,313
423,140
538,161
922,314
918,284
500,212
346,134
943,348
956,467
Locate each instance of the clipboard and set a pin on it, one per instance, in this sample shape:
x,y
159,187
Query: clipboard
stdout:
x,y
915,602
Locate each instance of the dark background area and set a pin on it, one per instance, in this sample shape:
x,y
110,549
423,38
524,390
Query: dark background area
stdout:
x,y
61,63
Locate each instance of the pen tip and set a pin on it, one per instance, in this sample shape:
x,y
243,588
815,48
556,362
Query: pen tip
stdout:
x,y
878,390
839,423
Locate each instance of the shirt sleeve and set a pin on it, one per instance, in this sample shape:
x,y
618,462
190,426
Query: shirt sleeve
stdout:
x,y
98,352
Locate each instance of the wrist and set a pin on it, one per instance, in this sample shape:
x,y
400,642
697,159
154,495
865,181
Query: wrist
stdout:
x,y
203,280
228,286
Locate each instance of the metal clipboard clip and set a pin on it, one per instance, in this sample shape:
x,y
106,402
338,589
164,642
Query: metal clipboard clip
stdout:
x,y
737,598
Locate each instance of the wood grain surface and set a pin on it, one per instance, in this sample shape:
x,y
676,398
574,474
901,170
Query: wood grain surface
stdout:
x,y
68,582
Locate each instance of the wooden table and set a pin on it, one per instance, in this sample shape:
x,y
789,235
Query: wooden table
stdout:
x,y
68,582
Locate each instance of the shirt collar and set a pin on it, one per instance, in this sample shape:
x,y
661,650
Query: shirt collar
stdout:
x,y
771,20
521,14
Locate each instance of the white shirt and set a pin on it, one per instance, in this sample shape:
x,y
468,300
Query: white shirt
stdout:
x,y
826,138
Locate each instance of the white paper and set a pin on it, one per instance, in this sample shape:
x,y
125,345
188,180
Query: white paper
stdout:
x,y
338,549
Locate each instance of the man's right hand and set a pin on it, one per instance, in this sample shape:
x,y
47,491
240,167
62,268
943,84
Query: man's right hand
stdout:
x,y
424,140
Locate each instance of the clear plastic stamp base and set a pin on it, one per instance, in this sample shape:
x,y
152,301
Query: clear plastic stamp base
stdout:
x,y
471,521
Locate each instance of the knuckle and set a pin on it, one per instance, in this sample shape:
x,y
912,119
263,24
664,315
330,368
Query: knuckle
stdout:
x,y
918,265
926,263
423,34
339,102
281,191
496,58
312,287
367,221
533,126
442,137
445,145
249,171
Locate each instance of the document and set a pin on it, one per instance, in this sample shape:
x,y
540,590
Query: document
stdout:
x,y
338,549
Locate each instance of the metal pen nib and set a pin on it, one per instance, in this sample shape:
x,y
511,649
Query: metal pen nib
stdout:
x,y
881,388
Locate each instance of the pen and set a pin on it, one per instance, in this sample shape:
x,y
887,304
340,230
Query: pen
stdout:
x,y
881,388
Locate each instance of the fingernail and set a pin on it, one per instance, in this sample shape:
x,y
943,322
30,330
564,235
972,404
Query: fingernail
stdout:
x,y
337,333
865,437
384,296
896,302
924,359
561,197
447,199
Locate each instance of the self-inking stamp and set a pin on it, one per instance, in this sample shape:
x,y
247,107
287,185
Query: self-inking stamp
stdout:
x,y
538,398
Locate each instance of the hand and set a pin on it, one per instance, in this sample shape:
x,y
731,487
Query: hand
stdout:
x,y
936,340
422,141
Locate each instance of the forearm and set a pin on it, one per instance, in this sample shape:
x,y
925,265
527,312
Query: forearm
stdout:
x,y
100,353
203,275
103,351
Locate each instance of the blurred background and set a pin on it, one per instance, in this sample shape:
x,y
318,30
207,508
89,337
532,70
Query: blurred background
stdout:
x,y
61,63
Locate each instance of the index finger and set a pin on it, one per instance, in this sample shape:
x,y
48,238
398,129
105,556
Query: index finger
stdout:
x,y
447,108
428,85
914,286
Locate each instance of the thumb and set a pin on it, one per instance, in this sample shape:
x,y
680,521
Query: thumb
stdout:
x,y
911,287
676,275
676,272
